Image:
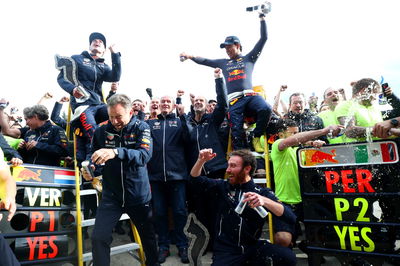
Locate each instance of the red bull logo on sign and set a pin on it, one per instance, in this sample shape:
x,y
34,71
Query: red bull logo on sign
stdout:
x,y
314,157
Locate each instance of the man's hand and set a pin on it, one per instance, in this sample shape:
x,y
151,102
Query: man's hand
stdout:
x,y
180,93
16,161
382,129
217,73
181,109
185,56
192,96
333,130
9,204
87,175
113,49
318,143
77,94
253,199
283,88
64,99
103,155
206,155
30,145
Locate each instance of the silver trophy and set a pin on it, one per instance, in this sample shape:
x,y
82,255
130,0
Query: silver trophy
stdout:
x,y
263,8
68,65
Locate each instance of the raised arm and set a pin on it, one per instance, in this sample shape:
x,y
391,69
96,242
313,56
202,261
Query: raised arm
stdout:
x,y
205,155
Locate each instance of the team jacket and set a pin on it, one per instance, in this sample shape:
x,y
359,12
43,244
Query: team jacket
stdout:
x,y
168,161
125,176
307,121
238,72
51,146
236,232
204,134
91,73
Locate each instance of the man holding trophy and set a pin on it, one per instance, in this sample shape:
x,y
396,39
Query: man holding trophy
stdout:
x,y
237,71
82,77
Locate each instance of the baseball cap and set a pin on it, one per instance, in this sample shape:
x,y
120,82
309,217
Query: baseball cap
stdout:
x,y
97,35
230,40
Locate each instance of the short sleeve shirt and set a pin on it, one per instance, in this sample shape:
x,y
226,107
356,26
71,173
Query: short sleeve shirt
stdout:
x,y
286,174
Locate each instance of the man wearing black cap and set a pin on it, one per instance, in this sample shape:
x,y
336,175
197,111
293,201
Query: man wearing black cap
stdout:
x,y
88,101
238,71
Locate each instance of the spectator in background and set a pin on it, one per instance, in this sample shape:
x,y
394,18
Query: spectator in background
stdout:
x,y
278,100
168,177
313,104
305,119
43,143
139,107
154,108
331,98
211,106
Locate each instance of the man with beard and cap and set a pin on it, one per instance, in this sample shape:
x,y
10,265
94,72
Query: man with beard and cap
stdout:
x,y
91,73
238,239
331,99
305,120
238,70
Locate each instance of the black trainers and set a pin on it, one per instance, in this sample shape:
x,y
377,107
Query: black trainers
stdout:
x,y
162,255
183,253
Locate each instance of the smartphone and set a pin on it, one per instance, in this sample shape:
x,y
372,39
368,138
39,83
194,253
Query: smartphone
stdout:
x,y
384,87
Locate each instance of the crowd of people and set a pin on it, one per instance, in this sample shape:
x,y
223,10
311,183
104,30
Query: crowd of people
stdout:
x,y
165,158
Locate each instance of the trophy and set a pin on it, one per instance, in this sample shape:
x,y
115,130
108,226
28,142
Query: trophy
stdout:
x,y
68,65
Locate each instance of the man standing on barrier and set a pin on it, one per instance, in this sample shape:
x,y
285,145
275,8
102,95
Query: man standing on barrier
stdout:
x,y
238,70
87,101
120,151
238,226
7,201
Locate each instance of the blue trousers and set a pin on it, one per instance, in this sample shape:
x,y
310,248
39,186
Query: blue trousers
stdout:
x,y
254,106
171,193
259,254
108,215
7,257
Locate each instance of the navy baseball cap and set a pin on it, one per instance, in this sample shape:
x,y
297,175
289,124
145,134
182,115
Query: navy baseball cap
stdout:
x,y
97,35
230,40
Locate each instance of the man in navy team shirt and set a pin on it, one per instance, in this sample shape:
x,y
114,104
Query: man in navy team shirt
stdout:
x,y
237,71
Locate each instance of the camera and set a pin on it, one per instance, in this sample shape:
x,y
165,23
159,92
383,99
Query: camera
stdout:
x,y
150,93
263,8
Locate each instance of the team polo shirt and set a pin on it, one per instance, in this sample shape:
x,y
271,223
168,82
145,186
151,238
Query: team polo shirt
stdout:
x,y
365,116
329,118
286,175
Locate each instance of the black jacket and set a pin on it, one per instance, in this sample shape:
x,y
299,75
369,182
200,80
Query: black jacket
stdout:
x,y
125,176
204,134
307,121
236,232
52,145
168,161
91,74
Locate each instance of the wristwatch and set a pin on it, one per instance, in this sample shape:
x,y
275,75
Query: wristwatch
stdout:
x,y
394,122
115,151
